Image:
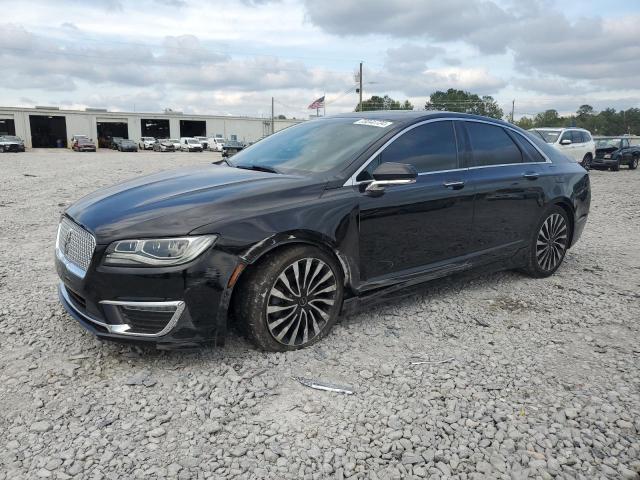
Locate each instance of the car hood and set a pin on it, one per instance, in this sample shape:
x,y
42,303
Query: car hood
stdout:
x,y
175,202
606,149
11,142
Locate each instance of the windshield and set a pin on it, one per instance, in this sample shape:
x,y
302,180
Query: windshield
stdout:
x,y
173,140
549,136
608,143
192,141
10,138
315,146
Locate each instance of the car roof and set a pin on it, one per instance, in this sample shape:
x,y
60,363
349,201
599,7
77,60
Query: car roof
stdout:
x,y
412,116
559,128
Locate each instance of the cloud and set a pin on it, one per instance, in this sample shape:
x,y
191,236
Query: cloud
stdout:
x,y
410,57
541,38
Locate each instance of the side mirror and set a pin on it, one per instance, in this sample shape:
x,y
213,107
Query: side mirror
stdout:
x,y
390,173
566,141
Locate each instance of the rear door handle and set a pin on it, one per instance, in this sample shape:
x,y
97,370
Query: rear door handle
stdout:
x,y
457,185
531,175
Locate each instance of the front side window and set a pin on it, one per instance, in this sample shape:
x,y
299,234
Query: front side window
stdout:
x,y
429,148
625,143
491,145
566,136
576,137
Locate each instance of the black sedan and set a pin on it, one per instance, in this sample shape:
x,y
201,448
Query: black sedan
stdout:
x,y
11,143
125,145
311,222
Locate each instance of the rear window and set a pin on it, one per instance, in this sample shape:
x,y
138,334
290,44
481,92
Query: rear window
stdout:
x,y
549,136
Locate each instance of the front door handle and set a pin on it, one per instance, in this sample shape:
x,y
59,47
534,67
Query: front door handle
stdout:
x,y
457,185
531,175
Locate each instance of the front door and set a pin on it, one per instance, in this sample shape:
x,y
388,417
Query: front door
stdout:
x,y
411,227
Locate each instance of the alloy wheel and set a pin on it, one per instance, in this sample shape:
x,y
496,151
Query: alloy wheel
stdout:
x,y
551,243
300,302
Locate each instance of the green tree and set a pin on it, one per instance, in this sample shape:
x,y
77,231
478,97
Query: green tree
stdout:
x,y
383,103
525,123
548,118
461,101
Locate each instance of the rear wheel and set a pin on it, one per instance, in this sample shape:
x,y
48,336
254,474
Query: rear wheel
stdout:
x,y
549,243
633,164
291,299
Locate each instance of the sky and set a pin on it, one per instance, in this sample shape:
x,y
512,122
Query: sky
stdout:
x,y
231,57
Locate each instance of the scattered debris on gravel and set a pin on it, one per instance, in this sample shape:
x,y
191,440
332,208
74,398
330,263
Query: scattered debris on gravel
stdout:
x,y
512,377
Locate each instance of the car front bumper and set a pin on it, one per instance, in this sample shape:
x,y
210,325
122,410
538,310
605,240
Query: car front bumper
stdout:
x,y
171,307
14,147
604,162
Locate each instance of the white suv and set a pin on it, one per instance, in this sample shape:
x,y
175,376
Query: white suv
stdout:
x,y
576,143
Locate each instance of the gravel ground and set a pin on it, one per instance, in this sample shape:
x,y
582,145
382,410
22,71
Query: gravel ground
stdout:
x,y
525,378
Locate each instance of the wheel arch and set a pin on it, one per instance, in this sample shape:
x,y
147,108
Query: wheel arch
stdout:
x,y
566,205
277,243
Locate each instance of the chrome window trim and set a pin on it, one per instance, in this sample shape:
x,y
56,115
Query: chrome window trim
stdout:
x,y
123,329
351,181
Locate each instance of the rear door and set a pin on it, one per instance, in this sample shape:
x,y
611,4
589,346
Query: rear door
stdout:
x,y
505,175
414,226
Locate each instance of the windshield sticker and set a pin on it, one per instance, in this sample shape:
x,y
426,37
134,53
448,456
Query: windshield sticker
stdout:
x,y
373,123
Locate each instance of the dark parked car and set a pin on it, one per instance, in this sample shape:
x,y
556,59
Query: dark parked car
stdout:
x,y
231,147
164,145
127,146
83,145
11,143
115,141
611,152
314,221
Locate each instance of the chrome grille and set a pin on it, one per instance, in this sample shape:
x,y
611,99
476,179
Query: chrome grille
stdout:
x,y
75,244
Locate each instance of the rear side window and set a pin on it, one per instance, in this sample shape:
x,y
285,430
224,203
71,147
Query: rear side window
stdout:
x,y
491,145
530,153
429,148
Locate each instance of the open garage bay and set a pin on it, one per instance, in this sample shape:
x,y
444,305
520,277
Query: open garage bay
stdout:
x,y
479,376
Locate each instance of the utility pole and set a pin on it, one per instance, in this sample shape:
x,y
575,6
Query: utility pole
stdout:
x,y
273,127
360,76
513,107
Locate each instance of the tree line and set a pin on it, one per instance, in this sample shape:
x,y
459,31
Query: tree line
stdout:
x,y
606,122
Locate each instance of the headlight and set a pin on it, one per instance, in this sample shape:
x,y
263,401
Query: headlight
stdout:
x,y
157,252
607,155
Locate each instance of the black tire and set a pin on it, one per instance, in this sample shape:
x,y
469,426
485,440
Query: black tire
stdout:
x,y
586,162
557,230
306,315
616,167
633,164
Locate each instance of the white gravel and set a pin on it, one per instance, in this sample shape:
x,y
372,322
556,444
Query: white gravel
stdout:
x,y
540,378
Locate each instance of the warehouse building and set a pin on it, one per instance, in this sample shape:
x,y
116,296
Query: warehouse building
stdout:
x,y
51,127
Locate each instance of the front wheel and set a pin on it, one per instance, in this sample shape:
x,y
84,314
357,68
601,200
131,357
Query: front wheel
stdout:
x,y
291,299
549,243
586,162
633,164
616,166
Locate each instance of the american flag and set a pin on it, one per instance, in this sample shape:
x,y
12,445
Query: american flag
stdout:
x,y
317,103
